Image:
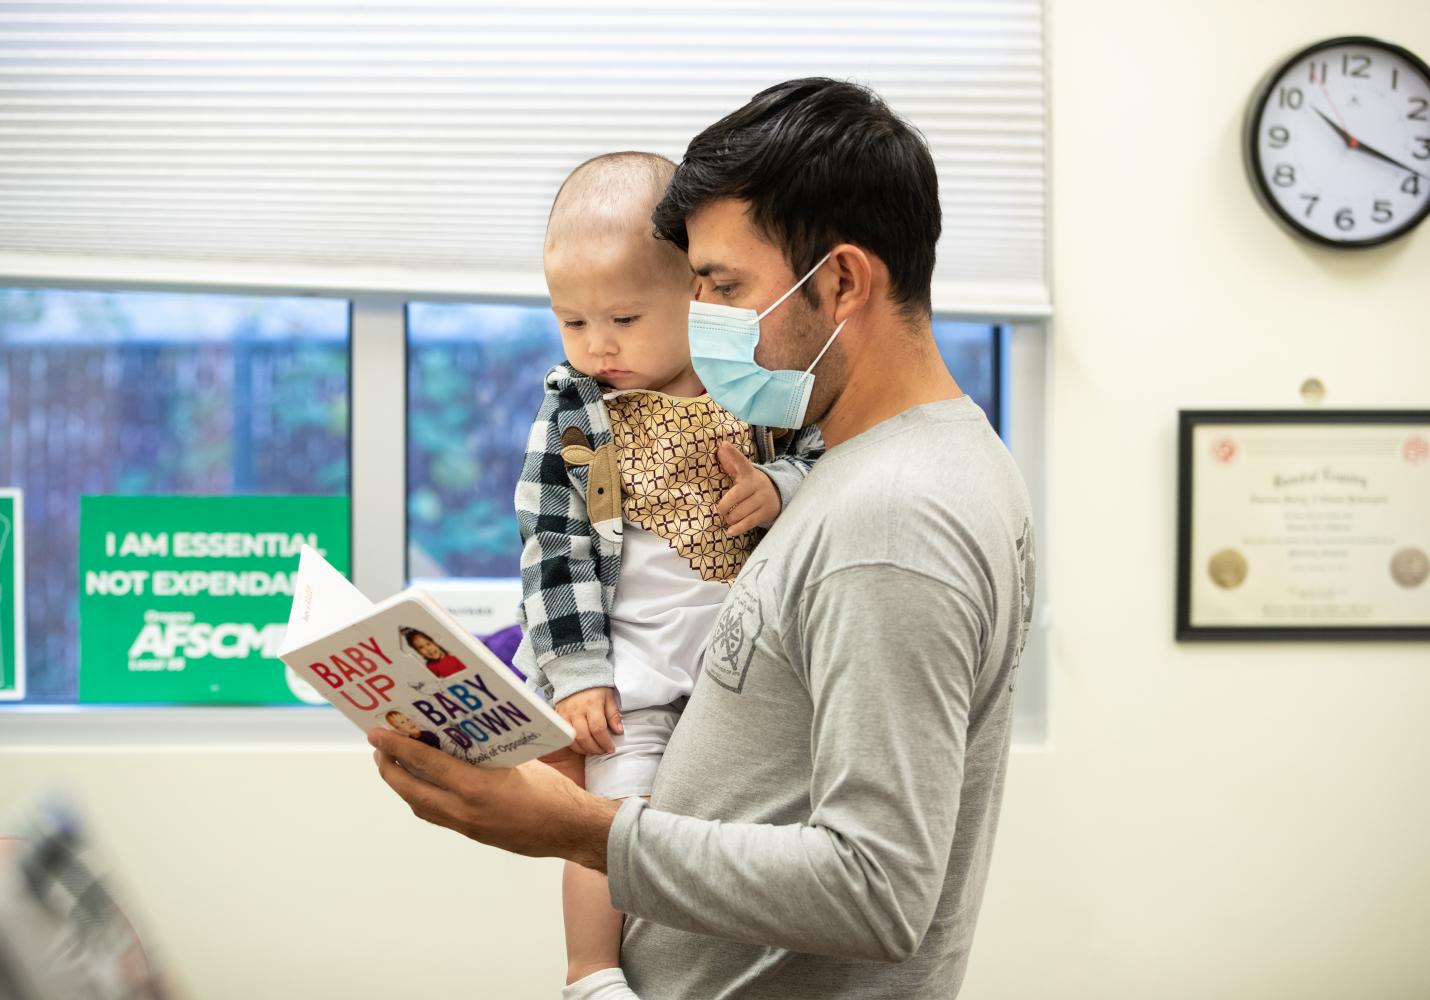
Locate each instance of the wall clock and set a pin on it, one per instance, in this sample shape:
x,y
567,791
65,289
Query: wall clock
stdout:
x,y
1337,142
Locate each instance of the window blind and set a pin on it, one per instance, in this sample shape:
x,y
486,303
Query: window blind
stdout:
x,y
415,148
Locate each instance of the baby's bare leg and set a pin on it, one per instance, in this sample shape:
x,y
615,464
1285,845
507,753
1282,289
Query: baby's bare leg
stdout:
x,y
593,926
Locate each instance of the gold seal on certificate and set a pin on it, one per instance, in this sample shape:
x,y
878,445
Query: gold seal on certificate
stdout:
x,y
1300,524
1409,567
1227,569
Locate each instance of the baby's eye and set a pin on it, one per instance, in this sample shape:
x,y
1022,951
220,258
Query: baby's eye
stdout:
x,y
573,324
625,320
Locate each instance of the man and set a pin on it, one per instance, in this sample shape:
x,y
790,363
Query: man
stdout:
x,y
824,817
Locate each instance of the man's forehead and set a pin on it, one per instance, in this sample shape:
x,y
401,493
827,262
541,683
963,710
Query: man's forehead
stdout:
x,y
724,240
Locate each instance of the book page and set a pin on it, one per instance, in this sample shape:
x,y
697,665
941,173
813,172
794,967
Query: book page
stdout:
x,y
323,601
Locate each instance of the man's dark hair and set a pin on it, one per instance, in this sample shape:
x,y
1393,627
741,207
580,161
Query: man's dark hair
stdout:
x,y
820,162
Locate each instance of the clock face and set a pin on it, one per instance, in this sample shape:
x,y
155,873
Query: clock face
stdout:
x,y
1338,142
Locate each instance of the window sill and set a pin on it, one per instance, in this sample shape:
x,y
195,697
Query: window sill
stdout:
x,y
201,729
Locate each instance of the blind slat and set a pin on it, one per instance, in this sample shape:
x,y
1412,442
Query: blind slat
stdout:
x,y
416,147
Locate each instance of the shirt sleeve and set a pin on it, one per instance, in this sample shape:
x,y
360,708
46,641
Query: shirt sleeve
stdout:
x,y
562,614
791,468
890,695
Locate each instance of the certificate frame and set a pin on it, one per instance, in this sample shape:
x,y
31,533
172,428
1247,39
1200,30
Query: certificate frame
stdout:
x,y
1188,422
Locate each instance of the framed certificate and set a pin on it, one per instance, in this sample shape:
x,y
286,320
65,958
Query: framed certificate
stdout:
x,y
1303,524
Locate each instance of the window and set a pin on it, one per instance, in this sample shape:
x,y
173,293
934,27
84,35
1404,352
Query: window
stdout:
x,y
473,387
144,394
156,394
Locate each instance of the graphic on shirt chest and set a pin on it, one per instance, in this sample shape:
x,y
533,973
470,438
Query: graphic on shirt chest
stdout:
x,y
738,629
671,480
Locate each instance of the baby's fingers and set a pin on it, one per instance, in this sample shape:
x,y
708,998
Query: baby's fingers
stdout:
x,y
734,497
598,736
613,716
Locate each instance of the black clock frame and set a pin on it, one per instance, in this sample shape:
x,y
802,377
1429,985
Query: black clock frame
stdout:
x,y
1251,156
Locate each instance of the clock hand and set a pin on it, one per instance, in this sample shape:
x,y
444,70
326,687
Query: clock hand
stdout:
x,y
1350,140
1381,156
1354,143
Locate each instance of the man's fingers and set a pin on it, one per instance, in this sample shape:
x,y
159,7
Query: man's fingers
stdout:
x,y
426,800
736,465
414,755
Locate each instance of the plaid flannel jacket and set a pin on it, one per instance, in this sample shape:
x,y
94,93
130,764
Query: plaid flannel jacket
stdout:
x,y
570,567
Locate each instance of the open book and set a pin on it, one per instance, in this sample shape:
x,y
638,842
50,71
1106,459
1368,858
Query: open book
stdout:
x,y
407,665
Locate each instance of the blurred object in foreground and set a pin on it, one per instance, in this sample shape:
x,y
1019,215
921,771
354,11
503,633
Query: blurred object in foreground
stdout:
x,y
62,935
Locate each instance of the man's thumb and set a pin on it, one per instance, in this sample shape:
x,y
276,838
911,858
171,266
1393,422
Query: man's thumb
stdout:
x,y
733,461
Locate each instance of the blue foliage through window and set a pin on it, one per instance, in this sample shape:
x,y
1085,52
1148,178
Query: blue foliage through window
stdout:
x,y
156,393
474,385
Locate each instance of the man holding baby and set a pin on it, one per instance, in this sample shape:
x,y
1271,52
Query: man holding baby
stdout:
x,y
822,821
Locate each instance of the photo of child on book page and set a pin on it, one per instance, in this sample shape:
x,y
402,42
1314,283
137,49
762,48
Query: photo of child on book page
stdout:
x,y
402,723
437,659
638,504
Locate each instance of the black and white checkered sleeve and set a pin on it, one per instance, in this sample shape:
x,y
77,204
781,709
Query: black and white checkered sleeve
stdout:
x,y
562,611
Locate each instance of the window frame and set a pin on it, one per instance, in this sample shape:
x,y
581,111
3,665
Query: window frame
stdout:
x,y
377,446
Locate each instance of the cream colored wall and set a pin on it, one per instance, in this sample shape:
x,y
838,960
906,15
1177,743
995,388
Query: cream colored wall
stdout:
x,y
1220,821
1228,821
298,876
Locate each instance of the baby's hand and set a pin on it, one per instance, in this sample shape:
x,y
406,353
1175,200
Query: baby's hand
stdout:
x,y
594,716
753,500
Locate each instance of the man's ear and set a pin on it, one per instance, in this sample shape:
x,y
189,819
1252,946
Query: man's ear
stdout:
x,y
851,282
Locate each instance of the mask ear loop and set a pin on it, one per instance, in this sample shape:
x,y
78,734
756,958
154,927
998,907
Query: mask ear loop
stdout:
x,y
794,287
827,345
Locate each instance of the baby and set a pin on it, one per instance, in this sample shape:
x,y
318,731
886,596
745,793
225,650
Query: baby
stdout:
x,y
638,505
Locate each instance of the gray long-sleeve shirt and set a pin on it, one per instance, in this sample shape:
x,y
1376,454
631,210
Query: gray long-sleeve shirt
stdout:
x,y
823,819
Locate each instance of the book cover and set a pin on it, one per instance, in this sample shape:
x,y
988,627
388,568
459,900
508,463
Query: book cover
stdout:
x,y
407,665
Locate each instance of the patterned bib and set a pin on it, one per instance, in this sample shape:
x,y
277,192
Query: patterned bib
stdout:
x,y
671,479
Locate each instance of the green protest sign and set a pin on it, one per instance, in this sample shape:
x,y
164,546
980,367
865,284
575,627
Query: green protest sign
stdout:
x,y
12,596
185,599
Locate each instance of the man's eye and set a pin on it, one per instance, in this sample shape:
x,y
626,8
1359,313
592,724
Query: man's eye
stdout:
x,y
724,290
625,320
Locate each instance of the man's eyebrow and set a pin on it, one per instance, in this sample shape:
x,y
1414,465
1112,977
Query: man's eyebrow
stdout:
x,y
715,267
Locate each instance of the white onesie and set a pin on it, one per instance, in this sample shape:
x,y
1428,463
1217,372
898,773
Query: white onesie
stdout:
x,y
677,564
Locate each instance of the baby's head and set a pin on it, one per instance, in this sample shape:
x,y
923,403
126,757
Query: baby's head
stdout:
x,y
402,723
423,644
621,296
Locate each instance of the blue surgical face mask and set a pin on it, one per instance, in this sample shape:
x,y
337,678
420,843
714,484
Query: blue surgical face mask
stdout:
x,y
722,350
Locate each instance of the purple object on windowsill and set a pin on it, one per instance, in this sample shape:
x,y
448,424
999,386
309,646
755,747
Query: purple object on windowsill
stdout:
x,y
503,643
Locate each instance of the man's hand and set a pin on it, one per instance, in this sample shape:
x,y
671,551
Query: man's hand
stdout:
x,y
753,500
594,715
530,809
